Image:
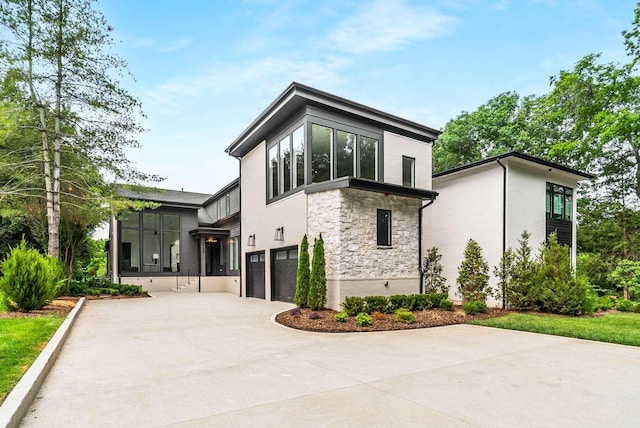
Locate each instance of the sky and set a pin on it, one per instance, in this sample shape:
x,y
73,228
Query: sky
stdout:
x,y
204,69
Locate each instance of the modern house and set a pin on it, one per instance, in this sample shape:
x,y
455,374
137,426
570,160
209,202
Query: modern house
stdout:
x,y
494,200
313,163
191,240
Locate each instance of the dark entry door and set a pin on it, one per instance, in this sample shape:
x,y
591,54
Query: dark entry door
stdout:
x,y
255,275
284,265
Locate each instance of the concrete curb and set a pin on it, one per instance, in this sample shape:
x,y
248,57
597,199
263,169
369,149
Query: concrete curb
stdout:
x,y
17,403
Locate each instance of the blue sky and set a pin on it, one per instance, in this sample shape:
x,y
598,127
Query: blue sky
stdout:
x,y
205,69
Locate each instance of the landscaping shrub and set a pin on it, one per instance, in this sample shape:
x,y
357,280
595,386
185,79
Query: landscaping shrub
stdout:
x,y
30,279
473,307
522,288
624,305
377,315
318,280
363,319
406,316
436,299
302,275
636,308
604,303
423,301
353,305
432,268
341,316
446,304
408,301
473,274
396,302
376,303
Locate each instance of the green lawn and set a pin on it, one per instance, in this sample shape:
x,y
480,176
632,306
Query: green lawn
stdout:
x,y
21,340
622,328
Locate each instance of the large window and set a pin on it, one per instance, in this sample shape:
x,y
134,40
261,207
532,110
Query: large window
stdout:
x,y
150,242
234,253
338,153
408,171
285,163
559,202
384,228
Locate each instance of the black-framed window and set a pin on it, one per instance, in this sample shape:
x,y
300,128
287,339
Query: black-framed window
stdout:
x,y
234,253
150,243
383,228
408,171
559,202
339,153
285,162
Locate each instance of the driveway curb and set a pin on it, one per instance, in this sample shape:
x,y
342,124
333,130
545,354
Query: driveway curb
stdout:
x,y
15,407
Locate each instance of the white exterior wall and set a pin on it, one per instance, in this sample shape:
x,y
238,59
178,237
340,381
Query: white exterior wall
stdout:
x,y
469,206
526,184
261,220
396,146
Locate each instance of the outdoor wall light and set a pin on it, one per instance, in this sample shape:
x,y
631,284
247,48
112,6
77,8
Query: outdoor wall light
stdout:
x,y
251,241
155,257
279,236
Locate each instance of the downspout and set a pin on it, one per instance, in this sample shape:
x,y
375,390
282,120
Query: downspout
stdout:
x,y
420,243
504,222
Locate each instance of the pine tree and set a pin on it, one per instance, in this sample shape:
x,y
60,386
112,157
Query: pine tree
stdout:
x,y
473,274
522,291
434,282
504,273
302,276
318,282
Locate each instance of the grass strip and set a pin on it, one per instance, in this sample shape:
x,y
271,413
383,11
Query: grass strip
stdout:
x,y
21,340
621,328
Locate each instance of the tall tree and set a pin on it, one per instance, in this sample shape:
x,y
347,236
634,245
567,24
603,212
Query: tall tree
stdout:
x,y
58,49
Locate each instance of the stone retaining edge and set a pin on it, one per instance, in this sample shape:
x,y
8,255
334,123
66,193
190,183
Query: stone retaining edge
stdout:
x,y
17,403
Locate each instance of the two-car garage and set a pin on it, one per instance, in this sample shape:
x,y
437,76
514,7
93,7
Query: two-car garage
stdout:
x,y
283,268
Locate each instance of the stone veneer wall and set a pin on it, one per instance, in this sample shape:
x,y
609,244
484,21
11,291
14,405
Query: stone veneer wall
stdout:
x,y
347,219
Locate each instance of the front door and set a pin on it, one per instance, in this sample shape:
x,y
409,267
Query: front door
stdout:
x,y
255,275
214,256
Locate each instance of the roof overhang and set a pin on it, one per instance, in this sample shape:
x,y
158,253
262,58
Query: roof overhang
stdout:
x,y
214,232
519,158
371,186
297,95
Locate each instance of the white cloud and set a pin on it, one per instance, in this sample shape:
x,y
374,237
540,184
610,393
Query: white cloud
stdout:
x,y
384,26
175,45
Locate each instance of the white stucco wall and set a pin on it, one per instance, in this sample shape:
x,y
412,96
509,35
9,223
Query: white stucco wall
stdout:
x,y
396,146
261,220
469,207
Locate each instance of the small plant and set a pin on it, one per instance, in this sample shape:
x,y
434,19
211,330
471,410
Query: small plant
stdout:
x,y
604,303
432,268
423,301
473,307
473,274
363,319
377,315
341,316
624,305
315,316
446,304
296,312
437,299
406,316
636,308
353,305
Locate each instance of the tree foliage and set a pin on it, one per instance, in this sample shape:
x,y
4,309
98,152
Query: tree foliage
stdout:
x,y
432,268
302,274
57,59
473,274
627,277
317,298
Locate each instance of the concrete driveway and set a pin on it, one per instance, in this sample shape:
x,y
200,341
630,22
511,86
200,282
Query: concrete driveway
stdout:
x,y
217,360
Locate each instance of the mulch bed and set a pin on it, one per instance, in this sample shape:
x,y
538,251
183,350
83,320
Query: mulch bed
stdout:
x,y
61,306
384,322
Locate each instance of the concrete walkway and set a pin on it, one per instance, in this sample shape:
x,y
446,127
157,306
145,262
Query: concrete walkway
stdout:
x,y
202,360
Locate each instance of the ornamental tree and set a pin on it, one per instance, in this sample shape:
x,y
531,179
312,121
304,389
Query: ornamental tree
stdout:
x,y
473,274
302,275
318,282
627,276
434,282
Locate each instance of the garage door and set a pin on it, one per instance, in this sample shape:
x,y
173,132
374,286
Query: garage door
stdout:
x,y
284,265
255,275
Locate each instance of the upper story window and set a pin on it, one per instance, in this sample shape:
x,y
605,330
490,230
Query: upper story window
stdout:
x,y
338,153
408,171
559,202
286,163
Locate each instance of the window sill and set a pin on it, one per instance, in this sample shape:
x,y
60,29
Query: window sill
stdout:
x,y
385,247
